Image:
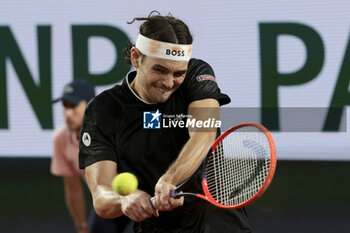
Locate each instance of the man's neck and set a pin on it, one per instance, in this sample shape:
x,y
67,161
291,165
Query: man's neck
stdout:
x,y
135,86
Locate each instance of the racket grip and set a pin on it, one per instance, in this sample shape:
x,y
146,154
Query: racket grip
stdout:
x,y
172,194
151,201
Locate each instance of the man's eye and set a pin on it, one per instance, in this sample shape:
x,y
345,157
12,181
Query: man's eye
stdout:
x,y
160,71
177,75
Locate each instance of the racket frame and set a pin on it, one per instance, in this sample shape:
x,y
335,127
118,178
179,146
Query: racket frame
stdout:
x,y
207,196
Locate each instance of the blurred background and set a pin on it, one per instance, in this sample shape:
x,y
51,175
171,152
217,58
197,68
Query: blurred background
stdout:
x,y
283,63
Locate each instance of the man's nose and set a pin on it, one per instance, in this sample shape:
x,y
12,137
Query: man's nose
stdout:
x,y
168,81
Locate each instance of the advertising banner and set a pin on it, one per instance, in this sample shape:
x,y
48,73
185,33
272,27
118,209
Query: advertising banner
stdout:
x,y
284,64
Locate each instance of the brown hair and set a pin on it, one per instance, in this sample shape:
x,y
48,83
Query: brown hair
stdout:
x,y
162,28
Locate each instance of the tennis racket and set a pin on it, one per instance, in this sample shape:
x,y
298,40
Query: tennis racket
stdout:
x,y
239,169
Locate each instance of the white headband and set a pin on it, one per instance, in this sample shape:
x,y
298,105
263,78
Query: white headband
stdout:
x,y
164,50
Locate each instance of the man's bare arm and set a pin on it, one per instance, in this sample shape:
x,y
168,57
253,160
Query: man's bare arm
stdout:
x,y
192,154
75,201
109,204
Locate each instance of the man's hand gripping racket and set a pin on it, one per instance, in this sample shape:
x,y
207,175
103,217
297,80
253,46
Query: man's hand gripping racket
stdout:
x,y
239,169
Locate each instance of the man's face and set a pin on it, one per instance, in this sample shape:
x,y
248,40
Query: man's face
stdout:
x,y
73,114
159,78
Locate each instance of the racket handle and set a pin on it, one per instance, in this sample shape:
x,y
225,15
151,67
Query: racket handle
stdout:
x,y
151,201
172,194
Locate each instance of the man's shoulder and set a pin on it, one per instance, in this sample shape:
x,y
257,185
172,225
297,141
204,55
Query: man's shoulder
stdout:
x,y
106,100
105,107
196,63
198,67
108,94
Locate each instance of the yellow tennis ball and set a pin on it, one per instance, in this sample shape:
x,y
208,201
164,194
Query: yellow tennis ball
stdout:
x,y
124,183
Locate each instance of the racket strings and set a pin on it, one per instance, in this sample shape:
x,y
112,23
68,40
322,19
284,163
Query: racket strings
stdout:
x,y
238,166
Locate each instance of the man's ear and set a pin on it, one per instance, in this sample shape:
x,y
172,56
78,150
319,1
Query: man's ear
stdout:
x,y
135,57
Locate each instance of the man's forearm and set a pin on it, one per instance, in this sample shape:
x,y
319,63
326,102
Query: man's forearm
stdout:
x,y
99,176
197,147
190,158
107,203
75,200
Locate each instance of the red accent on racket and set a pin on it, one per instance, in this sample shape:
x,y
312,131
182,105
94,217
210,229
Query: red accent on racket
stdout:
x,y
239,169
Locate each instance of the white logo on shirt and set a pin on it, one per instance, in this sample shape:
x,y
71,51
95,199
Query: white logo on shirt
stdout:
x,y
86,139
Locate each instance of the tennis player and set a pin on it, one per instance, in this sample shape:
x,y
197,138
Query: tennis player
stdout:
x,y
116,135
64,162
